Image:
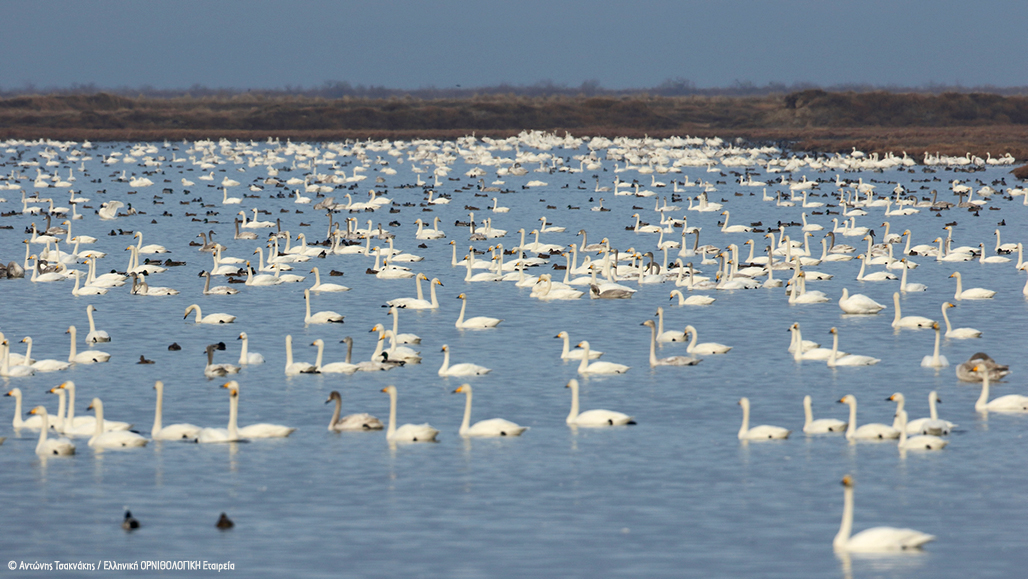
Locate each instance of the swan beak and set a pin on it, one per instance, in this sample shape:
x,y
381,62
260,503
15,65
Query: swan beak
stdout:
x,y
385,390
33,411
841,401
90,407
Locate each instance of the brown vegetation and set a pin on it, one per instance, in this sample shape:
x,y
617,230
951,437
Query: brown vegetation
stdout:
x,y
951,123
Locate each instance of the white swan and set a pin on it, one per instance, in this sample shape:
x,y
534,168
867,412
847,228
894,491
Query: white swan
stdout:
x,y
464,369
593,418
172,431
114,438
585,368
871,431
670,335
858,303
910,321
909,287
491,427
929,425
50,446
49,365
576,354
875,539
694,300
821,425
94,336
6,370
333,368
89,357
762,432
935,360
975,293
1008,403
209,318
706,347
34,421
419,303
325,287
475,323
670,361
322,317
849,359
958,333
293,368
230,434
246,357
407,432
148,249
919,442
260,430
82,425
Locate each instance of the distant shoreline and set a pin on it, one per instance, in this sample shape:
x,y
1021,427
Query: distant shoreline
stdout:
x,y
812,120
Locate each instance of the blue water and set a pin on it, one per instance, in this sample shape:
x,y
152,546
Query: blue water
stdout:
x,y
675,495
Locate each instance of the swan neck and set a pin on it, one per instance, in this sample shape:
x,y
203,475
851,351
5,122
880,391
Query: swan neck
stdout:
x,y
466,423
158,412
71,355
321,351
745,419
808,413
392,415
98,408
43,429
932,412
233,415
435,301
983,399
573,415
582,366
653,346
289,350
460,318
846,527
335,413
851,428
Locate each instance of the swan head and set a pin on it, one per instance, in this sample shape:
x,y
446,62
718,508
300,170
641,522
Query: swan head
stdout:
x,y
466,388
847,481
955,274
67,385
948,305
573,384
848,399
334,395
935,326
96,403
897,397
445,348
461,297
231,385
833,331
37,410
391,390
648,324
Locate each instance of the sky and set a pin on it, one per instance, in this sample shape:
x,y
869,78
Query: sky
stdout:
x,y
410,44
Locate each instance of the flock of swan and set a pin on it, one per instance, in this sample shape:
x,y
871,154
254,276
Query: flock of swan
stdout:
x,y
657,254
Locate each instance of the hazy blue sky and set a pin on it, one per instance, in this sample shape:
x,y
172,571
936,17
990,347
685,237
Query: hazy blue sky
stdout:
x,y
412,44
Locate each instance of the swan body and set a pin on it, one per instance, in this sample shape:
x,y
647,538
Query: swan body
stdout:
x,y
704,348
212,370
407,432
849,359
88,357
586,368
694,300
975,293
114,438
209,318
919,442
1008,403
172,431
464,369
230,434
858,304
909,321
350,422
935,360
821,425
325,287
930,425
875,539
762,432
870,431
294,368
95,335
475,323
49,365
670,361
335,367
492,427
957,333
50,446
593,418
322,317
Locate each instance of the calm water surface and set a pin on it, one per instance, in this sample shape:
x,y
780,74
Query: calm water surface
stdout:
x,y
675,495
